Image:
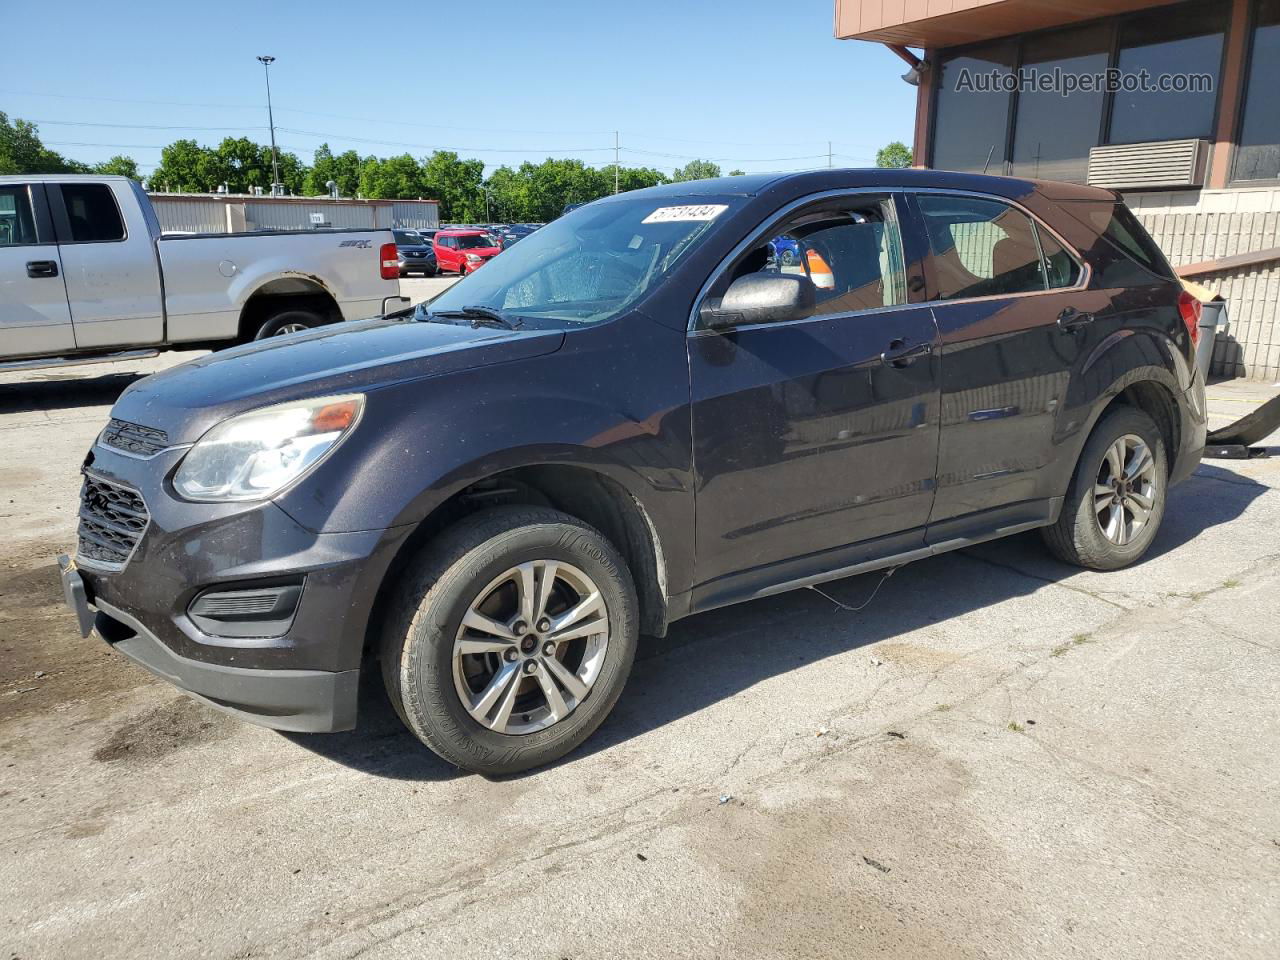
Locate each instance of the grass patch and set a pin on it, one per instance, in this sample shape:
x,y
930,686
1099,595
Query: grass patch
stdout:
x,y
1077,640
943,707
1016,727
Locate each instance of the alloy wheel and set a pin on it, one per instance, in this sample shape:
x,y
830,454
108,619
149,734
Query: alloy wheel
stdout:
x,y
289,328
1125,489
530,647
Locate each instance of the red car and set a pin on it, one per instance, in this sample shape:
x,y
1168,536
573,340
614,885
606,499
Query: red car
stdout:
x,y
463,251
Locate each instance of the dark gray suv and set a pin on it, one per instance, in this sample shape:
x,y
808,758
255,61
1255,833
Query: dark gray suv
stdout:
x,y
634,415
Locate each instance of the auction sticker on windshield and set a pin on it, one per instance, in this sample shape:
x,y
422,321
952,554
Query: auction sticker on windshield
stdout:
x,y
703,211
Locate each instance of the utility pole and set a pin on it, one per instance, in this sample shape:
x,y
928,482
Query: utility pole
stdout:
x,y
617,161
829,164
271,120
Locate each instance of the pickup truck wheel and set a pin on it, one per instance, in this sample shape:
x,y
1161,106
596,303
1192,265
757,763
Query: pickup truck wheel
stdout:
x,y
288,321
510,639
1116,500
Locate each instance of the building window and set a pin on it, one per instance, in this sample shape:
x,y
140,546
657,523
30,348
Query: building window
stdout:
x,y
1052,133
1258,154
1048,135
1164,43
972,124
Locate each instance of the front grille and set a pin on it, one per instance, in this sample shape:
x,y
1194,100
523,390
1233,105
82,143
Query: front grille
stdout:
x,y
112,519
134,438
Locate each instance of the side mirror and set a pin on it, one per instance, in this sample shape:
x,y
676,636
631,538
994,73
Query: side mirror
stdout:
x,y
761,298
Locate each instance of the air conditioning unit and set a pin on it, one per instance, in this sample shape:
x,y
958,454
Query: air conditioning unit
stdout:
x,y
1158,164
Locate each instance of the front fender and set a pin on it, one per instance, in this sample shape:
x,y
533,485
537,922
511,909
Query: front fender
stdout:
x,y
615,404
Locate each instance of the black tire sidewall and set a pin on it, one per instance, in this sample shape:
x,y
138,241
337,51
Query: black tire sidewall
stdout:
x,y
275,322
1092,543
430,703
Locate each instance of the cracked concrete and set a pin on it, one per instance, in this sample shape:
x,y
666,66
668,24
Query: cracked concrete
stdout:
x,y
999,757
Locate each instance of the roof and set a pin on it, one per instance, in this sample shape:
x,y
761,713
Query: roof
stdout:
x,y
63,178
816,181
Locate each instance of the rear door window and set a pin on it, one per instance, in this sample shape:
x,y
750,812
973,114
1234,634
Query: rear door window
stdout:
x,y
981,248
17,225
1062,269
92,213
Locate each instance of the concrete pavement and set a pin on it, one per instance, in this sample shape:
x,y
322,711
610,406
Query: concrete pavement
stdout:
x,y
1000,757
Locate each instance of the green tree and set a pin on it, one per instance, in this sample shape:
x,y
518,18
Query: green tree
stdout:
x,y
119,166
696,170
343,169
895,154
21,151
186,167
456,183
394,178
737,173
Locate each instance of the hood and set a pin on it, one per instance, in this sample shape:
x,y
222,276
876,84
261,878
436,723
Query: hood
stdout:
x,y
356,356
415,247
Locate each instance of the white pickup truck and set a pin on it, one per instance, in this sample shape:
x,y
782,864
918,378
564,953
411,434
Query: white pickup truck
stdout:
x,y
85,275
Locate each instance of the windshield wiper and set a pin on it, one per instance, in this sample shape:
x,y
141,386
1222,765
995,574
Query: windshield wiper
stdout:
x,y
482,316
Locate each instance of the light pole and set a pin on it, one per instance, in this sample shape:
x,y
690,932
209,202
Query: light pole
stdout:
x,y
271,120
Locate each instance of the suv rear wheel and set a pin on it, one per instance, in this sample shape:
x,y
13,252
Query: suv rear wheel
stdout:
x,y
510,639
1117,495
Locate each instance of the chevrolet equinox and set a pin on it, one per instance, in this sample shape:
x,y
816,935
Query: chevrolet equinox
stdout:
x,y
639,413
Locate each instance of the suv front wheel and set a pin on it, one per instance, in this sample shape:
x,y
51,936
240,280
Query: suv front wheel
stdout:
x,y
510,639
1116,500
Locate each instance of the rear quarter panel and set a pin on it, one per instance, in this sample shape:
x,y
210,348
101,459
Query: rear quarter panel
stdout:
x,y
208,278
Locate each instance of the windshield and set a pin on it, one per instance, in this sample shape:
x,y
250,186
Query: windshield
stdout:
x,y
590,265
471,241
407,238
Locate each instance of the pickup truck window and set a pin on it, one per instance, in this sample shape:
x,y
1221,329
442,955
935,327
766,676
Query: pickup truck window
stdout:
x,y
592,264
93,213
17,227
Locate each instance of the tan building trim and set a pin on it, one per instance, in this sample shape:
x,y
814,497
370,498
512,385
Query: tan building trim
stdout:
x,y
947,23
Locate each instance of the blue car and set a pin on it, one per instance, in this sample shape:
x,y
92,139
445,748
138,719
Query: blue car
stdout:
x,y
785,250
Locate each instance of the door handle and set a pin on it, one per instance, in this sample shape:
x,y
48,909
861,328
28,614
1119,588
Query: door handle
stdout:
x,y
900,355
1070,318
42,268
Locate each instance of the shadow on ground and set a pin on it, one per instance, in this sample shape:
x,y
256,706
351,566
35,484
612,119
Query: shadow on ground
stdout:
x,y
738,647
58,391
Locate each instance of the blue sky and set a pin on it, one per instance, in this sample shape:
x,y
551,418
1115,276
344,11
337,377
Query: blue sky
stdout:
x,y
754,85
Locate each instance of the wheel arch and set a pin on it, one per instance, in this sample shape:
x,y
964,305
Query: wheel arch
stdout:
x,y
287,291
588,494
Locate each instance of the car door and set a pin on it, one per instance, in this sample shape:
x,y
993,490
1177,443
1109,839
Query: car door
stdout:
x,y
446,256
110,265
1008,297
35,318
815,440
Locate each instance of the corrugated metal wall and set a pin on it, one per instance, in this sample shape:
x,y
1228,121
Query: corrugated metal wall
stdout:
x,y
196,214
188,215
297,216
415,216
1191,228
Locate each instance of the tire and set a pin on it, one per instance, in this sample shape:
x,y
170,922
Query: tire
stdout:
x,y
286,321
457,572
1081,536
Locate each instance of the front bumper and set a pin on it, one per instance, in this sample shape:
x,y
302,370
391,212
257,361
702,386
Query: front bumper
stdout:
x,y
304,678
303,701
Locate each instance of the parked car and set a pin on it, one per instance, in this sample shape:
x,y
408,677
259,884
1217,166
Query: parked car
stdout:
x,y
786,250
415,252
86,275
633,416
463,251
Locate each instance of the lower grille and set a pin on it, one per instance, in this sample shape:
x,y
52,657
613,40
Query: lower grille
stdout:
x,y
112,520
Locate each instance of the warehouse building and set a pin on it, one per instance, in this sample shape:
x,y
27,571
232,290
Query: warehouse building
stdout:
x,y
1198,160
237,213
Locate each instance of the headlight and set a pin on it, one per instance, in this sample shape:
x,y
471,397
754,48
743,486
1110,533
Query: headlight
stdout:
x,y
257,454
474,257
